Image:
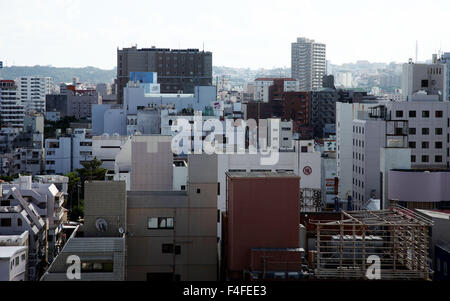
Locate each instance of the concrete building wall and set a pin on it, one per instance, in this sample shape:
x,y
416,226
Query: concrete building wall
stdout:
x,y
194,232
152,161
345,113
108,201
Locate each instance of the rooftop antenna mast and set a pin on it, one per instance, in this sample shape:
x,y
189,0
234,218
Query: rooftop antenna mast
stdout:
x,y
417,50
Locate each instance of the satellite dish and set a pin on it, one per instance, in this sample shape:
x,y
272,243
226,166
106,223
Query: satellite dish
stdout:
x,y
121,230
101,225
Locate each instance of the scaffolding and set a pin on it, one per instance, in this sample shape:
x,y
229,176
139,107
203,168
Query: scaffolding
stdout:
x,y
396,239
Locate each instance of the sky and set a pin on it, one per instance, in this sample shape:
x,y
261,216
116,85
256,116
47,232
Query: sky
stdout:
x,y
240,33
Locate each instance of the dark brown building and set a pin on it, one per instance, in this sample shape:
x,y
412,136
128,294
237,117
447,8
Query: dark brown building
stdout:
x,y
262,224
179,70
293,106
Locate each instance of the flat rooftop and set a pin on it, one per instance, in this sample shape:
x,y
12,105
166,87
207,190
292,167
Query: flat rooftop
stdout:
x,y
261,174
8,252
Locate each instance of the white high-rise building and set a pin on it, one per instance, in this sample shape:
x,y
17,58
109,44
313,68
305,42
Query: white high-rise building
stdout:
x,y
32,91
11,108
308,63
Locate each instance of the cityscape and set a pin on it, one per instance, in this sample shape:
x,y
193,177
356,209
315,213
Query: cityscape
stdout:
x,y
170,168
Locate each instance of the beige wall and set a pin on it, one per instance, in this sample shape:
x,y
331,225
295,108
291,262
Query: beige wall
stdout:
x,y
195,231
151,163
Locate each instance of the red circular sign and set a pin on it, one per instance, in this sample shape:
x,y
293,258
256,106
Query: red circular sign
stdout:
x,y
307,170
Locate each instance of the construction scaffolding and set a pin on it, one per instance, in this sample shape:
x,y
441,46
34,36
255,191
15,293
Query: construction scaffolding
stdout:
x,y
396,240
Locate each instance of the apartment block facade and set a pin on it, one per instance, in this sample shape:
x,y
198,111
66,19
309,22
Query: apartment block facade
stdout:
x,y
179,70
308,63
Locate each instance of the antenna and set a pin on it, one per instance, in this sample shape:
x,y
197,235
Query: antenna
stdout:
x,y
417,50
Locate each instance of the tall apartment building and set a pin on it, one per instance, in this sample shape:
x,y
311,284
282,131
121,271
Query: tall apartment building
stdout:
x,y
11,108
32,91
345,114
308,63
179,70
368,137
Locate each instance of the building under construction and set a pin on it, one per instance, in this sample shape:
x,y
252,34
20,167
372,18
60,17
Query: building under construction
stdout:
x,y
397,239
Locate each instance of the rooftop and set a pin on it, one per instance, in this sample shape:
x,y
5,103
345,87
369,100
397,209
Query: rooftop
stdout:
x,y
8,252
261,174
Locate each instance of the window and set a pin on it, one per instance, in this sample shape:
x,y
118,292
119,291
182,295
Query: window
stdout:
x,y
5,203
438,144
425,131
167,248
218,188
424,83
183,187
413,158
438,159
398,113
425,144
412,131
425,114
22,257
198,191
412,114
160,223
97,267
5,222
438,131
425,159
19,222
438,114
412,144
17,261
304,149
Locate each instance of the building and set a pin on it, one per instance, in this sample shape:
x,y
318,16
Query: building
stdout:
x,y
323,111
345,114
261,234
445,59
12,110
66,153
99,243
308,63
428,131
33,91
105,148
288,106
57,103
427,78
113,119
179,70
262,84
173,234
14,257
419,188
18,215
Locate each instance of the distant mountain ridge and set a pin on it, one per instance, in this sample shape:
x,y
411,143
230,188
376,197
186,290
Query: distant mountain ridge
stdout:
x,y
87,74
96,75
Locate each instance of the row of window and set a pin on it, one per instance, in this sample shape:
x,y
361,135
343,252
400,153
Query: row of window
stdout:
x,y
425,114
426,159
426,144
426,131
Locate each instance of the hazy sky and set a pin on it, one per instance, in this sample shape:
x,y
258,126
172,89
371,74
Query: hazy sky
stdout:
x,y
241,33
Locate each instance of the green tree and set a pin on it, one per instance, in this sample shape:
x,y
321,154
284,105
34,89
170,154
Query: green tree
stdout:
x,y
91,171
